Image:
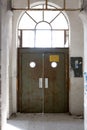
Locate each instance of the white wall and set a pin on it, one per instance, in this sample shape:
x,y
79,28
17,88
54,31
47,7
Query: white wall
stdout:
x,y
76,49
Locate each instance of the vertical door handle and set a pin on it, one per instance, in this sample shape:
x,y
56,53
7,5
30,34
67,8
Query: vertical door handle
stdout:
x,y
40,82
46,82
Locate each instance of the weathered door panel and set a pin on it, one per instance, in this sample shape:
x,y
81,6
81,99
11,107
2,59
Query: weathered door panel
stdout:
x,y
55,96
32,94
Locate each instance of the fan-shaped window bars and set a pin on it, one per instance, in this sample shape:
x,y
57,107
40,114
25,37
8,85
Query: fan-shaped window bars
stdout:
x,y
42,28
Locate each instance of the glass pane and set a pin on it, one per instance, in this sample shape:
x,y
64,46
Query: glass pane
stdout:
x,y
50,7
58,39
18,4
59,4
26,22
43,35
28,39
73,4
50,15
36,15
43,25
60,22
32,64
38,27
54,64
43,38
37,7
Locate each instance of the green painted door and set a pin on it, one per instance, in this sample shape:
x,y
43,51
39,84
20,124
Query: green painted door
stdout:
x,y
43,85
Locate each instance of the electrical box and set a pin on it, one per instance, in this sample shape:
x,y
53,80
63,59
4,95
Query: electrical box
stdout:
x,y
76,65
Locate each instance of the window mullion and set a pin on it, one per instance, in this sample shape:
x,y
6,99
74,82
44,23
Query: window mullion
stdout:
x,y
31,17
55,18
52,29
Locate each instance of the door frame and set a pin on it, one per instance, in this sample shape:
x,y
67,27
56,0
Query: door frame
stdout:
x,y
21,51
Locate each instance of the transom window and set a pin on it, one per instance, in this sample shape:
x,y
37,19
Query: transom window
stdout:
x,y
42,28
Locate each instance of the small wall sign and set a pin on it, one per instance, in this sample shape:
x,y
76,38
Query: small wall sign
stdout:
x,y
54,58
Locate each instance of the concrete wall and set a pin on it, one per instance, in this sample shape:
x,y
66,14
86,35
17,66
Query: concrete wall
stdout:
x,y
76,90
84,19
0,64
6,41
76,50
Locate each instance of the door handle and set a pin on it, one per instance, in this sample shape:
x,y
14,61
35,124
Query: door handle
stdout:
x,y
46,82
40,82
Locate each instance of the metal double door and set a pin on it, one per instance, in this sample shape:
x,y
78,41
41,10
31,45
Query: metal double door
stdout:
x,y
43,86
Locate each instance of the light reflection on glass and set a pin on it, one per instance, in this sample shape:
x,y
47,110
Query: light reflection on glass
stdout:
x,y
53,64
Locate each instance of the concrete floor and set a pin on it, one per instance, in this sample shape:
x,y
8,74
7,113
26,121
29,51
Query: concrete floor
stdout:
x,y
45,122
